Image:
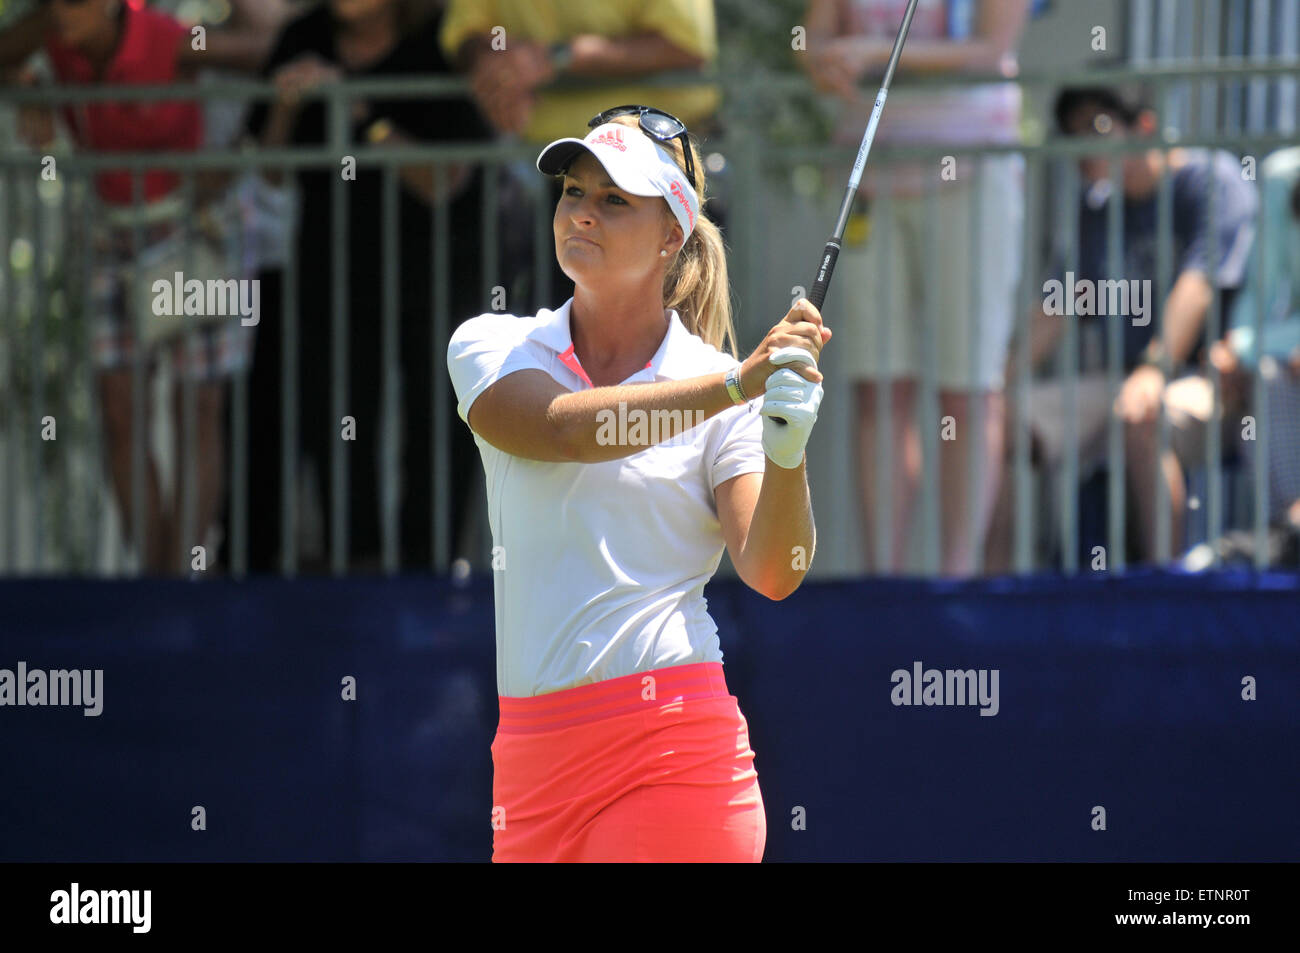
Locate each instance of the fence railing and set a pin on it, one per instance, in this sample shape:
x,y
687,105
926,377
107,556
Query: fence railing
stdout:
x,y
56,507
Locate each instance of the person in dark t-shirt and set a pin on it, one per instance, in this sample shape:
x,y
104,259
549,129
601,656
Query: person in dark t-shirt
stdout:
x,y
345,39
1212,227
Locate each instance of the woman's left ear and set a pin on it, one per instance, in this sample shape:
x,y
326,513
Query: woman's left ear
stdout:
x,y
676,238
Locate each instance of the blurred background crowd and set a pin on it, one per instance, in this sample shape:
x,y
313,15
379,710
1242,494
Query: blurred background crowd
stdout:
x,y
968,410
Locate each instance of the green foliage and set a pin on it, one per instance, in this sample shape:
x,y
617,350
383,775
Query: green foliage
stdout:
x,y
45,372
754,39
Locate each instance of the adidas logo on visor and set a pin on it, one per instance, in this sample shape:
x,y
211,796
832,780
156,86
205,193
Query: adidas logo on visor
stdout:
x,y
613,137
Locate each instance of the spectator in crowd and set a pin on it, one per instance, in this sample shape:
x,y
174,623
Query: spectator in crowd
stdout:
x,y
338,40
224,119
1180,318
930,314
513,49
546,39
1272,287
115,42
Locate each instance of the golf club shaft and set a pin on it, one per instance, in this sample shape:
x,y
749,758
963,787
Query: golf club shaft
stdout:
x,y
832,251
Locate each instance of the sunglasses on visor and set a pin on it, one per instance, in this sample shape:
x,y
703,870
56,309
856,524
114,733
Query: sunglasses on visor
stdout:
x,y
656,124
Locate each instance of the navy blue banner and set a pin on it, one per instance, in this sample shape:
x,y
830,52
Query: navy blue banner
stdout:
x,y
1140,718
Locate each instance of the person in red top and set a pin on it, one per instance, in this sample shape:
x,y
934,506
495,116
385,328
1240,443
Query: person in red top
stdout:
x,y
111,42
127,126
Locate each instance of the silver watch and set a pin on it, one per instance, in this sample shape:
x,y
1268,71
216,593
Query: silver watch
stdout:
x,y
734,387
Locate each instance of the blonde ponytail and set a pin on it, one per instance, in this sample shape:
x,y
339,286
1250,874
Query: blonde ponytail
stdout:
x,y
696,284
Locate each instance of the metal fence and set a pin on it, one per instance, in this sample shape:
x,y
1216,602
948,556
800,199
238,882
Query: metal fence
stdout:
x,y
56,511
1216,31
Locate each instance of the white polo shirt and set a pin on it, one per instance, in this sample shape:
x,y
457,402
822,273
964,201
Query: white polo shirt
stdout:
x,y
604,564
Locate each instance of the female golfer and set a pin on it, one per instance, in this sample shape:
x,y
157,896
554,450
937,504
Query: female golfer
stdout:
x,y
623,449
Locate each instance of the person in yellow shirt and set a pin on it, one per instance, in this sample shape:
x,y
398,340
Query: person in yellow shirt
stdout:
x,y
512,49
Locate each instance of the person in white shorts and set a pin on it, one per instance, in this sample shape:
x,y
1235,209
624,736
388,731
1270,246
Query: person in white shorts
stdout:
x,y
927,299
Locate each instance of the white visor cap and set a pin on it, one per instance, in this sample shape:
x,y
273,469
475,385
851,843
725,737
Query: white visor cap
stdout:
x,y
635,162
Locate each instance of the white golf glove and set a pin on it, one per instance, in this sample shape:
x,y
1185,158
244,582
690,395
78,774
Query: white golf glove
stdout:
x,y
793,398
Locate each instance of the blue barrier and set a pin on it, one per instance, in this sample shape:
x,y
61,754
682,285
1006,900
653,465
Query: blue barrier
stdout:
x,y
1123,692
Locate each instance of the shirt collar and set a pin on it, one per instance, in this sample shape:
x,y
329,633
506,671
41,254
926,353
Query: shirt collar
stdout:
x,y
670,361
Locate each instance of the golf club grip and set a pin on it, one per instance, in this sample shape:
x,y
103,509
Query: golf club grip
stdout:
x,y
827,268
818,293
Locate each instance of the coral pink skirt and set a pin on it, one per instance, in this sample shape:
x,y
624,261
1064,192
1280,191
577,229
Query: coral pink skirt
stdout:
x,y
654,766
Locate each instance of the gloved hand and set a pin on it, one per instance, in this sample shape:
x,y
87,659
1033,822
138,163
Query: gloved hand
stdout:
x,y
793,398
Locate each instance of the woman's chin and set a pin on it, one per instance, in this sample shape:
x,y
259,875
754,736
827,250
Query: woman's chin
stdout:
x,y
580,269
